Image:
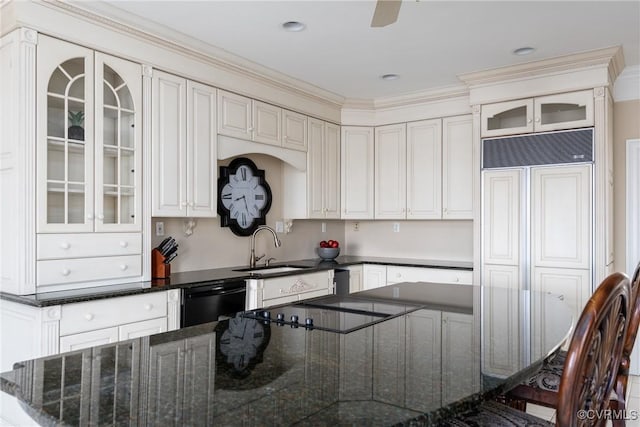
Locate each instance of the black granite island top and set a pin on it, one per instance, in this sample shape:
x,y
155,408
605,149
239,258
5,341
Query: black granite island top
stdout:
x,y
453,346
216,276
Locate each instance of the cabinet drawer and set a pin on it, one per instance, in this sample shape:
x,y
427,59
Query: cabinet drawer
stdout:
x,y
62,271
91,315
57,246
295,284
437,275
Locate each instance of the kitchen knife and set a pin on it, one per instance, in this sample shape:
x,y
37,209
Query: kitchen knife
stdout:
x,y
170,252
165,249
170,257
164,242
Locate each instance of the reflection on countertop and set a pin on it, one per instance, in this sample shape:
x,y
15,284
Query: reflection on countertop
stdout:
x,y
421,365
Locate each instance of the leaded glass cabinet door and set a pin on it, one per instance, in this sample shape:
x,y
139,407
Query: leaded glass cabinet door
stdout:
x,y
65,137
118,144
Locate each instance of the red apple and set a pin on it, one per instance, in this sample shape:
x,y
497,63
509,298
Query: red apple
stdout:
x,y
324,244
334,244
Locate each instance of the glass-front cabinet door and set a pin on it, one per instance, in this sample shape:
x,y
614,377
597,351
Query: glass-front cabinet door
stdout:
x,y
118,141
65,136
541,114
507,118
89,140
563,111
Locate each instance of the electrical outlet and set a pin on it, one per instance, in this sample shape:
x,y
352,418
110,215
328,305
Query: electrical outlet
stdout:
x,y
396,227
324,227
159,228
356,226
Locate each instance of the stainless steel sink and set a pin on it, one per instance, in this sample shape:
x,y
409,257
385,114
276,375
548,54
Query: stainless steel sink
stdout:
x,y
269,270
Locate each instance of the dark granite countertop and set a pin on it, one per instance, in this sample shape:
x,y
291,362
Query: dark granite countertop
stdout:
x,y
412,369
216,276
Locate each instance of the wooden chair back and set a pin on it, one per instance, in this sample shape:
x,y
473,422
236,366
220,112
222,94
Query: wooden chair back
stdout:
x,y
594,354
630,338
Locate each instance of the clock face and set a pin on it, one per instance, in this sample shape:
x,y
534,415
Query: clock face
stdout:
x,y
241,341
244,197
240,347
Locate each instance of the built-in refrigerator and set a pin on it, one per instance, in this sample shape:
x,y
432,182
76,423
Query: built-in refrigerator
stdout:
x,y
537,234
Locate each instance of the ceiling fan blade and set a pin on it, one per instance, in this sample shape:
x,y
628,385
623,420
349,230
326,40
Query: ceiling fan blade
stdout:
x,y
386,13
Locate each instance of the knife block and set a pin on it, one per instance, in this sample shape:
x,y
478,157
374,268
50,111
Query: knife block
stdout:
x,y
159,270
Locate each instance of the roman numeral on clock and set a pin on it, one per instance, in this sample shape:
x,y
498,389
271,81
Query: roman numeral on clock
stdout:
x,y
243,173
259,197
227,196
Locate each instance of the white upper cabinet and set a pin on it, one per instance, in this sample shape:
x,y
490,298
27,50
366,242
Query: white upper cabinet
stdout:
x,y
294,130
267,123
390,168
184,165
323,170
541,114
234,115
89,140
457,168
252,120
424,170
356,178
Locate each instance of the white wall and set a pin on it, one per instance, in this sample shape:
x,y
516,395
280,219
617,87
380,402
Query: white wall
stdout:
x,y
446,240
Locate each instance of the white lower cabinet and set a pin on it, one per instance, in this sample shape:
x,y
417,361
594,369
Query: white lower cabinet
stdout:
x,y
396,274
67,327
181,382
355,278
373,276
282,290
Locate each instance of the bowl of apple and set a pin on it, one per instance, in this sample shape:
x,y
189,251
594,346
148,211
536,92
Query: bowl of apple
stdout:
x,y
329,249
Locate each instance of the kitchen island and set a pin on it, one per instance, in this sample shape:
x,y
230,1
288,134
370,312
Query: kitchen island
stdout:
x,y
424,351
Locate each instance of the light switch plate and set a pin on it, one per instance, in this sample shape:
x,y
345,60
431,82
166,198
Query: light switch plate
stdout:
x,y
324,227
279,226
396,227
159,228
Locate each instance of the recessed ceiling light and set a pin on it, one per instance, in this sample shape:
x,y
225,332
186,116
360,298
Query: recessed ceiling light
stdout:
x,y
524,50
389,77
293,26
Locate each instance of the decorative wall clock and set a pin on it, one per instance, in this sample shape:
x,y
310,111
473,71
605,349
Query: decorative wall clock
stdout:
x,y
244,197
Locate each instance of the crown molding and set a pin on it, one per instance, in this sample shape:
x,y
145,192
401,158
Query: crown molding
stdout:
x,y
116,20
627,86
611,57
407,100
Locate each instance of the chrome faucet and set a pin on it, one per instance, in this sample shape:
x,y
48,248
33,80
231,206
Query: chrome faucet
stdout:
x,y
276,241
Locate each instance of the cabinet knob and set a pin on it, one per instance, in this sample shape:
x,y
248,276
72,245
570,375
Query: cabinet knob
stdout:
x,y
456,279
123,267
65,272
191,204
537,119
65,245
124,243
528,120
249,129
100,217
89,216
148,307
183,204
89,316
398,275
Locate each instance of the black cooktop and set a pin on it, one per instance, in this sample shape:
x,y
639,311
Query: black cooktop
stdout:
x,y
333,313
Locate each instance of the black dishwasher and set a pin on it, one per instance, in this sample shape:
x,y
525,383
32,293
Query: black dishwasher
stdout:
x,y
206,303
